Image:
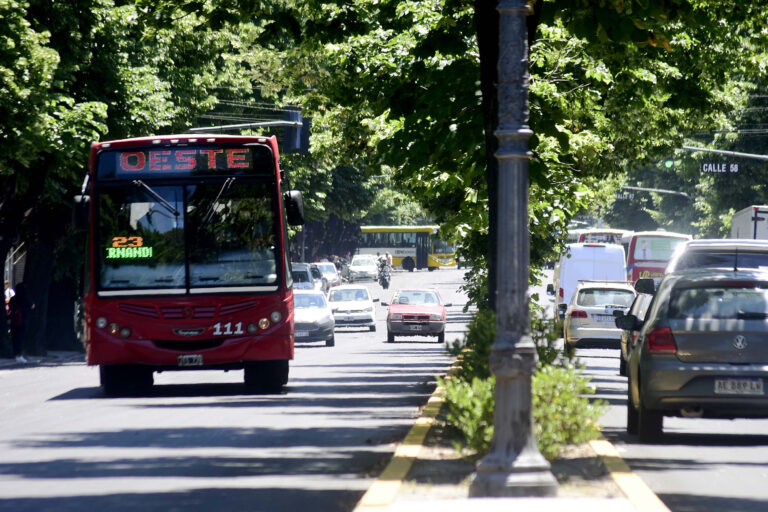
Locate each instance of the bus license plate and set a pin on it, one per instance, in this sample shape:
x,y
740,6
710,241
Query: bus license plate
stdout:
x,y
739,386
190,360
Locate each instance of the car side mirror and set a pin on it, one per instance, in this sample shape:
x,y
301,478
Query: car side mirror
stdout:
x,y
294,207
448,305
617,313
375,300
385,303
550,289
628,322
645,285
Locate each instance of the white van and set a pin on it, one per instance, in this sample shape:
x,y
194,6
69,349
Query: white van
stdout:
x,y
593,262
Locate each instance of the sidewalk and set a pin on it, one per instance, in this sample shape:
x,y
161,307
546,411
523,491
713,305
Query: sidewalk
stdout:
x,y
427,474
52,358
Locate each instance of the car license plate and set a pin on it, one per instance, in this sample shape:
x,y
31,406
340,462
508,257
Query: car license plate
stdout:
x,y
603,318
415,327
739,386
190,360
302,334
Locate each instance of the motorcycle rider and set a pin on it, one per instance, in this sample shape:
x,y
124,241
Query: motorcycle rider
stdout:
x,y
384,271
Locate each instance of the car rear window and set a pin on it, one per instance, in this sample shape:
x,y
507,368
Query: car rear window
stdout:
x,y
701,259
604,297
744,302
348,295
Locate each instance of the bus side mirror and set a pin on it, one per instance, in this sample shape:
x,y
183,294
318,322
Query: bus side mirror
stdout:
x,y
294,207
645,285
81,212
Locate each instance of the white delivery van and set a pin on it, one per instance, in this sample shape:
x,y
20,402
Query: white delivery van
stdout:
x,y
593,262
751,222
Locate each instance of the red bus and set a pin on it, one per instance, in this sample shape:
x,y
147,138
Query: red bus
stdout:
x,y
187,263
648,253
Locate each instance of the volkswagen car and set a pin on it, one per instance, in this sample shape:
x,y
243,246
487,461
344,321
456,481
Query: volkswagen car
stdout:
x,y
590,316
702,350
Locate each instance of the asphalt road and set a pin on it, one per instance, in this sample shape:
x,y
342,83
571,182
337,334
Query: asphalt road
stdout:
x,y
701,464
198,442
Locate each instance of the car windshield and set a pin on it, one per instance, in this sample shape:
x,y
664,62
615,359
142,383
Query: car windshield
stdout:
x,y
416,297
604,297
363,260
353,294
327,268
307,301
192,236
735,302
702,259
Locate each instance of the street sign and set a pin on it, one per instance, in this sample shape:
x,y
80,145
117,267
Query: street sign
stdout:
x,y
719,168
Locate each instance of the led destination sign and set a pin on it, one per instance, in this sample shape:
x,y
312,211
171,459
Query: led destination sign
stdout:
x,y
128,247
184,161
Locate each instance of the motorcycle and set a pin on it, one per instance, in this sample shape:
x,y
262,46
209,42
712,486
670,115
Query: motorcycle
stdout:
x,y
384,275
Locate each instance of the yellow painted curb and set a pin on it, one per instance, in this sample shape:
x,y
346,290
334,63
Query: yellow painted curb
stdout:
x,y
633,487
383,491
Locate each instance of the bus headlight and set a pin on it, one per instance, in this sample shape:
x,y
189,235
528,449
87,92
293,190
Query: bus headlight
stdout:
x,y
275,316
252,328
263,323
125,332
101,322
114,328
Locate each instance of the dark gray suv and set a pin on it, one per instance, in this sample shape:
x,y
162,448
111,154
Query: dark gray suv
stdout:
x,y
702,350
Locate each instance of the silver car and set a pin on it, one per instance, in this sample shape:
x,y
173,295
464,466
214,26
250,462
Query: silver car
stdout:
x,y
313,317
590,316
701,351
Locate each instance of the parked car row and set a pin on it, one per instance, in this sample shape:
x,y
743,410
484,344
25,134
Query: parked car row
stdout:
x,y
697,345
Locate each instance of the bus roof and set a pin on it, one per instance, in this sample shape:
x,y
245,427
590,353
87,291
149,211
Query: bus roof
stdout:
x,y
181,139
662,234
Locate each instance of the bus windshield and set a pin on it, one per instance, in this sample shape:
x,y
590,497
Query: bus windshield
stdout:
x,y
655,248
187,237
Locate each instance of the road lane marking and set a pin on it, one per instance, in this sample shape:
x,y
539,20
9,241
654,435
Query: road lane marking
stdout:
x,y
635,489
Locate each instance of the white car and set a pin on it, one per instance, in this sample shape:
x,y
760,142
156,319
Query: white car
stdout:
x,y
363,266
352,306
313,317
589,317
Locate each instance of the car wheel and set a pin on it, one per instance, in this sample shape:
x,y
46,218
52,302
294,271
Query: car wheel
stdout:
x,y
441,337
373,328
330,342
622,365
631,412
390,337
649,424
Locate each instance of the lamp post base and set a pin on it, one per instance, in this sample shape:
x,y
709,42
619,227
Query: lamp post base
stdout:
x,y
533,482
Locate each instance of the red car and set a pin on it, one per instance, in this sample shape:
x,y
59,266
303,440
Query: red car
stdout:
x,y
416,312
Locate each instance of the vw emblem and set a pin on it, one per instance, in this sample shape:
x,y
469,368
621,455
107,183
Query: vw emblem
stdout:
x,y
740,342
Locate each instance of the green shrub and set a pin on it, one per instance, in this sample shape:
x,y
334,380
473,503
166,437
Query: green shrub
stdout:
x,y
475,351
562,413
470,411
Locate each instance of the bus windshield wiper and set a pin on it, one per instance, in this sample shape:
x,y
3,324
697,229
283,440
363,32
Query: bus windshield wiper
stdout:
x,y
168,206
212,209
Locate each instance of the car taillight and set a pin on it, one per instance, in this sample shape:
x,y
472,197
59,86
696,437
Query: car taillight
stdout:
x,y
660,339
561,293
578,314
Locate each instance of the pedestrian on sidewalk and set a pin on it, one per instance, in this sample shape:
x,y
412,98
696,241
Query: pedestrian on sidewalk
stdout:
x,y
20,307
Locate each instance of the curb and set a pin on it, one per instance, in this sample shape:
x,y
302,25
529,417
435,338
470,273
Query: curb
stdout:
x,y
634,488
384,490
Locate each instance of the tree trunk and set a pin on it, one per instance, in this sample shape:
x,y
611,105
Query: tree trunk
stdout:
x,y
60,327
